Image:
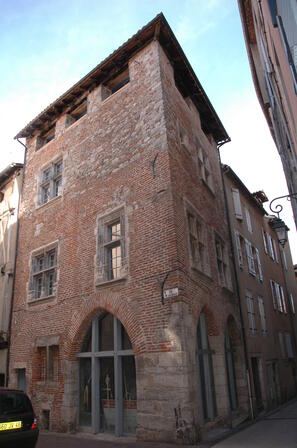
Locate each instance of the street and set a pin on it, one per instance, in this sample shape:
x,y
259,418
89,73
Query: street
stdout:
x,y
278,429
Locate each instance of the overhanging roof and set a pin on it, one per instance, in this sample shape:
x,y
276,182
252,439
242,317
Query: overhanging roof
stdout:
x,y
8,171
158,29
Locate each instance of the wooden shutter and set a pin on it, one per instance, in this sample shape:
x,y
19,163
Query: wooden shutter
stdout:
x,y
237,204
259,265
283,300
264,241
275,251
248,220
238,247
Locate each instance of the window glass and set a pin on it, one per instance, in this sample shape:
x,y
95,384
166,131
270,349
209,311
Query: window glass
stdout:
x,y
125,341
106,341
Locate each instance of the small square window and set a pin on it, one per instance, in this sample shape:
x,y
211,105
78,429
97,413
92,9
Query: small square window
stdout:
x,y
51,182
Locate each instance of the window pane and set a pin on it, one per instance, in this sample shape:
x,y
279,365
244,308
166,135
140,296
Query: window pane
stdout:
x,y
114,262
50,276
106,333
57,186
45,193
129,394
85,391
58,167
37,286
107,395
125,341
87,344
114,231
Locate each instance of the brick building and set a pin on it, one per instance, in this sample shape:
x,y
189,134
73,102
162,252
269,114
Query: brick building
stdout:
x,y
267,291
270,30
10,185
125,317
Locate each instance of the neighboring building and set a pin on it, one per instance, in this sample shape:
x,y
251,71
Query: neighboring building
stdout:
x,y
268,294
125,316
10,184
270,29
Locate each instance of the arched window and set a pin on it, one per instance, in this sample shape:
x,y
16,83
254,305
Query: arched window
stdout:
x,y
107,378
206,390
230,370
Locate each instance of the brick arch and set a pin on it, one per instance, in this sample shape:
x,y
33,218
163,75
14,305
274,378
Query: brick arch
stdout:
x,y
211,323
234,328
107,302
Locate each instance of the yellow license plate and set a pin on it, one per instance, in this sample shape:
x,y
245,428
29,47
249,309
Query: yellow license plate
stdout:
x,y
10,425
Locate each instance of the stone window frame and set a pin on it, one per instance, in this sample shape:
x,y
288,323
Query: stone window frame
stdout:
x,y
105,244
223,265
48,349
42,265
50,181
203,165
45,137
197,240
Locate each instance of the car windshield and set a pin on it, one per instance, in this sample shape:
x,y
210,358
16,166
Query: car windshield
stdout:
x,y
14,403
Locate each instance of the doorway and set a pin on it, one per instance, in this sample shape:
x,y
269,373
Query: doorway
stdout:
x,y
107,379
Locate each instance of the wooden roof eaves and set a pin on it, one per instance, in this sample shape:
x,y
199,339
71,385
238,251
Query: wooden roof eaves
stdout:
x,y
159,29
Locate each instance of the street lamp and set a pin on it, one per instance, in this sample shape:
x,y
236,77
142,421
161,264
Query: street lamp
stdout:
x,y
281,230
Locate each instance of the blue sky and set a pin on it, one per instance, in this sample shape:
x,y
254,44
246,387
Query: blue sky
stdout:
x,y
48,45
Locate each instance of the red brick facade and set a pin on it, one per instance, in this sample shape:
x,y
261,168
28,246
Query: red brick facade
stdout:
x,y
134,156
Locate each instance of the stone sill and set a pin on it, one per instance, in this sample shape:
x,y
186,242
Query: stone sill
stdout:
x,y
48,203
41,299
106,283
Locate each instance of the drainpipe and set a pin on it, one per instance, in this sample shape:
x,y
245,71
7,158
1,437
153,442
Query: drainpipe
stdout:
x,y
246,357
14,269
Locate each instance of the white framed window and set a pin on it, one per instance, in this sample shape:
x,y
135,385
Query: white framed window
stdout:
x,y
275,251
250,257
237,203
197,239
270,246
43,275
260,272
264,236
238,241
284,307
251,313
111,257
248,220
262,315
50,182
278,297
222,262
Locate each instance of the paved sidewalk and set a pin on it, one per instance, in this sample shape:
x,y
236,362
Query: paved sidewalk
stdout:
x,y
275,430
278,429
